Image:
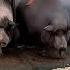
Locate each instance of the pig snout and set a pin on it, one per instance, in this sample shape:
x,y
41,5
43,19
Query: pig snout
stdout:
x,y
60,39
61,44
4,39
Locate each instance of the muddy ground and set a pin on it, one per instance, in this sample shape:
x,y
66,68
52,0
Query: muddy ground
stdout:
x,y
28,59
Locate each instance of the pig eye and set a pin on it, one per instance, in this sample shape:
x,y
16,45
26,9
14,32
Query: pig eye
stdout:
x,y
6,23
51,33
60,32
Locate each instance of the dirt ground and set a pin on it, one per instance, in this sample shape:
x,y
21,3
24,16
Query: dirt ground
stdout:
x,y
21,59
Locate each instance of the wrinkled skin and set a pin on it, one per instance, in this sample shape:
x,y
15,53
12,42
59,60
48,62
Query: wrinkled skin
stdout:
x,y
49,19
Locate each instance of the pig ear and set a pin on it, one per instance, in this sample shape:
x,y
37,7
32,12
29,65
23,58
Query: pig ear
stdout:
x,y
49,28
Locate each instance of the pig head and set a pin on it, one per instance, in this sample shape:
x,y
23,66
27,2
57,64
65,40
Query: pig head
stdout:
x,y
55,34
7,25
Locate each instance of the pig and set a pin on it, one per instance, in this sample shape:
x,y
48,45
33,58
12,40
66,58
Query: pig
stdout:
x,y
8,30
48,20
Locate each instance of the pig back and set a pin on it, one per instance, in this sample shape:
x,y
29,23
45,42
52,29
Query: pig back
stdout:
x,y
40,14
